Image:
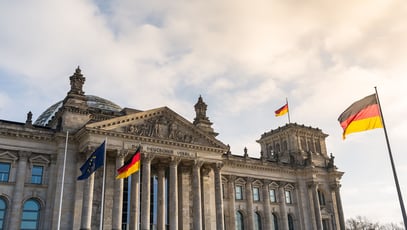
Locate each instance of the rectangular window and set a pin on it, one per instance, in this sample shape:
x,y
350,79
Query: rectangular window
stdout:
x,y
36,174
288,199
273,195
239,194
256,195
4,171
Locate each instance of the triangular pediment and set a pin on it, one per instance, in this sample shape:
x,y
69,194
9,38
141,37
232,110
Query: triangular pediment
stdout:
x,y
8,156
161,123
39,160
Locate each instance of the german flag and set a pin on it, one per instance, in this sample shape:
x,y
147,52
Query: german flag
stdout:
x,y
131,166
281,111
362,115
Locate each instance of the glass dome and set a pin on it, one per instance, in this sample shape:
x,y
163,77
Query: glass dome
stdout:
x,y
92,101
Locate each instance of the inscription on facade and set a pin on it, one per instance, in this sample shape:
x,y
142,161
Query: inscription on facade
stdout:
x,y
182,153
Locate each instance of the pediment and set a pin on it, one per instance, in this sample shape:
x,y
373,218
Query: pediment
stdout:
x,y
39,160
8,156
161,123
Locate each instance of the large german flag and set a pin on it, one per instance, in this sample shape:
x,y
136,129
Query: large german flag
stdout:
x,y
361,115
131,166
281,111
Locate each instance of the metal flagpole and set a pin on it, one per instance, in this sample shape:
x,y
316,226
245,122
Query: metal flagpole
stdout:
x,y
288,110
403,210
62,182
103,188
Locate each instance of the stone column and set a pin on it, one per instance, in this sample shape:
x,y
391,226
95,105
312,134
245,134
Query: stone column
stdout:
x,y
87,202
283,207
161,197
118,195
268,224
232,212
145,192
317,208
340,220
17,200
196,187
219,197
134,219
184,197
173,194
249,202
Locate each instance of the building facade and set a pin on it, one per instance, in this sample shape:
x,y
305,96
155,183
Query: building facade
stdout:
x,y
188,178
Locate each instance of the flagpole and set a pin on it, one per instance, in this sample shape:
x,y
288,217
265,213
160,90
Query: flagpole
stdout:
x,y
403,210
288,110
62,182
103,188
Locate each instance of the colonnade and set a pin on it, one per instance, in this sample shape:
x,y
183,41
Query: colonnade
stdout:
x,y
183,176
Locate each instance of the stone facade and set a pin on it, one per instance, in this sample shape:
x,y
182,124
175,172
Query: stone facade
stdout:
x,y
188,178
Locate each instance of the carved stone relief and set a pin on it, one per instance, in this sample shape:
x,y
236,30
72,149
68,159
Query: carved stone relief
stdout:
x,y
163,127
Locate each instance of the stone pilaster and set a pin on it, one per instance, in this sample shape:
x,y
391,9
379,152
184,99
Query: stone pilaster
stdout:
x,y
18,192
283,207
268,224
317,208
249,202
231,208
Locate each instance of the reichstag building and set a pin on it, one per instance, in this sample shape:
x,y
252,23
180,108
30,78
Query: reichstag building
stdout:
x,y
188,179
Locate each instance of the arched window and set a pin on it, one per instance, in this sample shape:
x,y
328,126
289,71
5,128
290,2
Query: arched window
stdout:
x,y
239,221
31,215
275,222
290,222
257,221
3,208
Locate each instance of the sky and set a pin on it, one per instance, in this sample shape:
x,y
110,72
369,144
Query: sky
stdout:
x,y
244,57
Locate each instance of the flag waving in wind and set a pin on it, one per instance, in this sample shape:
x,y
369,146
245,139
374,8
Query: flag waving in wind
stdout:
x,y
361,115
95,161
131,166
281,111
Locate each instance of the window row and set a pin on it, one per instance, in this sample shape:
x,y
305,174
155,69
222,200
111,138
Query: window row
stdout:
x,y
256,194
30,215
37,173
240,221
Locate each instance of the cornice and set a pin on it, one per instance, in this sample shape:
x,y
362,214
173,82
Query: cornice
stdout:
x,y
28,134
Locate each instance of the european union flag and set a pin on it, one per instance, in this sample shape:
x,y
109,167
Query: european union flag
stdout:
x,y
94,162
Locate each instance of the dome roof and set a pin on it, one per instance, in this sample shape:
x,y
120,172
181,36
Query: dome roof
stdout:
x,y
92,101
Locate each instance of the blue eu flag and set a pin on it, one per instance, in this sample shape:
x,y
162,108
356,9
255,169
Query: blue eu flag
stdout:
x,y
94,162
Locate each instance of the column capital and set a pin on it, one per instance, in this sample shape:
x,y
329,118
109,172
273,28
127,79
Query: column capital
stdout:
x,y
266,182
24,155
335,186
313,185
175,160
198,163
121,153
146,157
